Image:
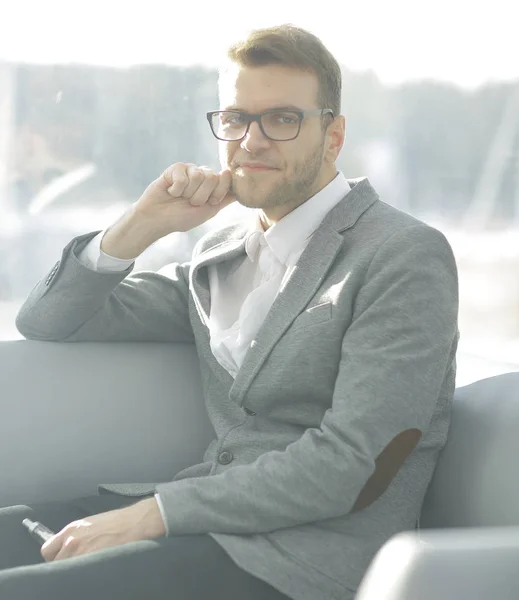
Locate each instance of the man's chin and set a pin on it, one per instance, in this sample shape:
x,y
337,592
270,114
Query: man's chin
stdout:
x,y
250,196
249,202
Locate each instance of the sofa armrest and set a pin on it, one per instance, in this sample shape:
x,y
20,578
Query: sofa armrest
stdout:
x,y
75,415
475,563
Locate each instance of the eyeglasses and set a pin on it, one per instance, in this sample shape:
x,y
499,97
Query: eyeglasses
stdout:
x,y
276,125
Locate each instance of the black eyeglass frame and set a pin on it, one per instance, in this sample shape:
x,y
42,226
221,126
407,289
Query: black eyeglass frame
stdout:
x,y
302,114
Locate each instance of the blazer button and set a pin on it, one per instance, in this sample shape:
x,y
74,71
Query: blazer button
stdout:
x,y
225,458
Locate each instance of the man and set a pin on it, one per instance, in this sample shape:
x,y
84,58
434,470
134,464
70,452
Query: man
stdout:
x,y
326,329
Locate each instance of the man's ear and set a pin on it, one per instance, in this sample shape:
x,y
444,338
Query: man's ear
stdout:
x,y
335,135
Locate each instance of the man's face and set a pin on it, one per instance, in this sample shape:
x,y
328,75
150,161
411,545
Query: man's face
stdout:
x,y
297,167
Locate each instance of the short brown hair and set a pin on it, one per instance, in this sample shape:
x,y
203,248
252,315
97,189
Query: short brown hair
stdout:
x,y
292,46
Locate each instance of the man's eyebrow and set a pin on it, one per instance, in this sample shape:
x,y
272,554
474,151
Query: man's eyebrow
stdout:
x,y
283,107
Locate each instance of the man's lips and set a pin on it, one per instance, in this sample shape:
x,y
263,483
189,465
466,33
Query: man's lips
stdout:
x,y
257,167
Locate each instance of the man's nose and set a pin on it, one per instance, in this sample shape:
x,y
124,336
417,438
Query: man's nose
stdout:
x,y
254,140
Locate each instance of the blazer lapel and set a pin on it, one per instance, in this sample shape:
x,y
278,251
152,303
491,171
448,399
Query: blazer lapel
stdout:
x,y
198,276
297,291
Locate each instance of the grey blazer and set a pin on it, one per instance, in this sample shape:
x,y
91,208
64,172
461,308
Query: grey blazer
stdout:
x,y
358,346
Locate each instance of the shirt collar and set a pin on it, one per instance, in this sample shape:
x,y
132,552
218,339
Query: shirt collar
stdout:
x,y
290,234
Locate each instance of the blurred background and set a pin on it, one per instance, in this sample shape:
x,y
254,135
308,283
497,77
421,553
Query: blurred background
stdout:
x,y
97,98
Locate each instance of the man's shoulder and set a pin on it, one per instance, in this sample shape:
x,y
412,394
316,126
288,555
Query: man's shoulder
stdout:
x,y
391,217
384,221
391,240
367,220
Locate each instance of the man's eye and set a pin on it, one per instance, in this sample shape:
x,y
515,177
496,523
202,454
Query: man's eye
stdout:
x,y
284,119
232,120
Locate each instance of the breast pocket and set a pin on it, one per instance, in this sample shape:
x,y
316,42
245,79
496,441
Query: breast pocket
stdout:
x,y
313,316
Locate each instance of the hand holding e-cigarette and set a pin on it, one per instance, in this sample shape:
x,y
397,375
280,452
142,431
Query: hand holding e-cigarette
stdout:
x,y
38,531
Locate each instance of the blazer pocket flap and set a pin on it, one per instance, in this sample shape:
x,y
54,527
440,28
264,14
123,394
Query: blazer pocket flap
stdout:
x,y
314,315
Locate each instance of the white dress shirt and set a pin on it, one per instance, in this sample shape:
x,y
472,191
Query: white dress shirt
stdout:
x,y
240,303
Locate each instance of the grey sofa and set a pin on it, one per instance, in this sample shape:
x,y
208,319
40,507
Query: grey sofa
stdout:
x,y
69,412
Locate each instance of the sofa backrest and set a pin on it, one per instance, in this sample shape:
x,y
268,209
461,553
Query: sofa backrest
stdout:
x,y
74,415
77,414
476,482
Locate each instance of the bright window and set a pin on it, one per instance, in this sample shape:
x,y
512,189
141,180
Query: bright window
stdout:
x,y
96,102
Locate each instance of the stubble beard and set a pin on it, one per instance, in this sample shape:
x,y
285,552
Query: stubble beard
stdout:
x,y
291,191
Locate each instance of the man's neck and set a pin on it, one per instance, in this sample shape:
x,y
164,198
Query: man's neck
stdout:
x,y
267,222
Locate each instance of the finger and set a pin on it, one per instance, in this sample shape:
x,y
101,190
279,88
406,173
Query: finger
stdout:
x,y
223,187
209,183
176,178
69,548
51,547
196,177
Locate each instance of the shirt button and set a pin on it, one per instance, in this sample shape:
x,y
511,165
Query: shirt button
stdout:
x,y
225,458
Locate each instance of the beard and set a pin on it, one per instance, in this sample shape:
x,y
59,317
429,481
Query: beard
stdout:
x,y
292,190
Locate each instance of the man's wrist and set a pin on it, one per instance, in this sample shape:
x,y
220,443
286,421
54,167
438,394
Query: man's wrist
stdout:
x,y
162,511
147,518
128,237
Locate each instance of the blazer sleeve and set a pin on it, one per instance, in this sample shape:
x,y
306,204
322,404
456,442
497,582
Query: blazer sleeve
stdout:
x,y
74,303
394,359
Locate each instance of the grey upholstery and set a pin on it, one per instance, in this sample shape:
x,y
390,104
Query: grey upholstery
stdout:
x,y
446,564
69,413
476,482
